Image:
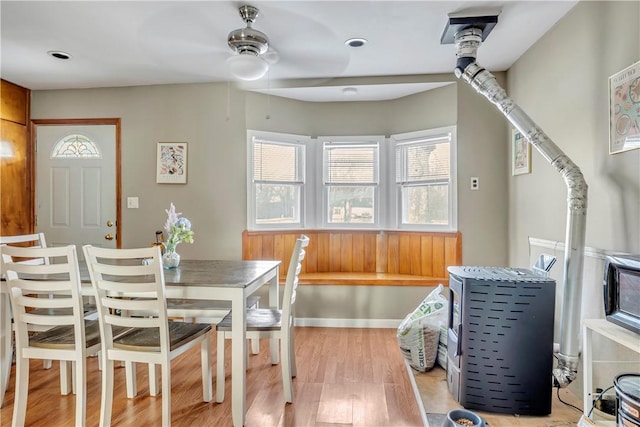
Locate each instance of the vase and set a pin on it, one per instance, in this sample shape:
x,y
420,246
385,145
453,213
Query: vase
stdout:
x,y
170,259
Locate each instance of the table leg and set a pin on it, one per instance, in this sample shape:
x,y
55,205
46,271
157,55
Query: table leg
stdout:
x,y
274,302
6,346
238,358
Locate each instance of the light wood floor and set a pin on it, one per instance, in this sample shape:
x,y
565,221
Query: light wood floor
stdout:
x,y
432,386
346,377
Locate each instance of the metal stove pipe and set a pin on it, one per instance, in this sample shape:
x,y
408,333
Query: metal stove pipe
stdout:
x,y
467,42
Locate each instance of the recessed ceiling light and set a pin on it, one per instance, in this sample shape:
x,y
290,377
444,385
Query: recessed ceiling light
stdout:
x,y
349,91
58,54
356,42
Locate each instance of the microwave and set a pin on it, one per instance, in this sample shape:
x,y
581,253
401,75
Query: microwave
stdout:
x,y
622,291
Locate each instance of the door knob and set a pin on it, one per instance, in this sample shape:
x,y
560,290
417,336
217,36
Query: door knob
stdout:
x,y
109,223
108,236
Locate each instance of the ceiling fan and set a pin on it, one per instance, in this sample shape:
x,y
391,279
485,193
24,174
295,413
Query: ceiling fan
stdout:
x,y
250,46
194,39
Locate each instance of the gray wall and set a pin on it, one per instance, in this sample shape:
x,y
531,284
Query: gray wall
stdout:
x,y
562,84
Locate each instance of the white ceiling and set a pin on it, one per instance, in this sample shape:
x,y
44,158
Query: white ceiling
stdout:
x,y
130,43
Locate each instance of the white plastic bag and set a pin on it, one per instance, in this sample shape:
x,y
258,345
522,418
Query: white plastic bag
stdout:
x,y
418,334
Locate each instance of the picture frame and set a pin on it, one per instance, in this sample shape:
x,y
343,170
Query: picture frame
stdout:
x,y
520,153
171,163
624,110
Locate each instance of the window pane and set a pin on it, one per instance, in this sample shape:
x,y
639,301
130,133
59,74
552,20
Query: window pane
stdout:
x,y
276,162
423,160
351,205
74,147
277,204
425,204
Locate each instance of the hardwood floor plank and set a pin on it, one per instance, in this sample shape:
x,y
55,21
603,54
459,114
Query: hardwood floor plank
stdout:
x,y
369,405
336,404
346,377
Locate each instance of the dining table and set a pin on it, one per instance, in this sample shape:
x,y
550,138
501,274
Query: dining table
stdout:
x,y
214,280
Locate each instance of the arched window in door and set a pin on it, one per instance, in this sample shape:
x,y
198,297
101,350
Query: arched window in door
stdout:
x,y
75,146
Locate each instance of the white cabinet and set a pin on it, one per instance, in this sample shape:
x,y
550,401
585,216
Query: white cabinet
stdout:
x,y
614,333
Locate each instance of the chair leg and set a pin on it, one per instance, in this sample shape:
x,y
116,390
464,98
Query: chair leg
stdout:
x,y
66,377
21,391
220,367
80,370
255,345
46,364
285,366
107,392
130,375
292,354
205,360
166,393
153,379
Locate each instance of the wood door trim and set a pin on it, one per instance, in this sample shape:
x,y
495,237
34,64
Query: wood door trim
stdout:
x,y
81,122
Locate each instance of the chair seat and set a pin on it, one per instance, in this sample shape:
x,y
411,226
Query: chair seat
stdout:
x,y
259,319
61,337
148,339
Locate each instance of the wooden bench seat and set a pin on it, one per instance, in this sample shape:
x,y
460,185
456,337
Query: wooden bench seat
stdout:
x,y
388,279
361,257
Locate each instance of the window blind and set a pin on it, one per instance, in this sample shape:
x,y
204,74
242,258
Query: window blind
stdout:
x,y
423,160
277,162
350,163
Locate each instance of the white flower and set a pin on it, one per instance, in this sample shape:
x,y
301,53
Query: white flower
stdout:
x,y
178,229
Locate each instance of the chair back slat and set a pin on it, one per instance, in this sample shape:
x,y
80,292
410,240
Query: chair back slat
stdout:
x,y
35,240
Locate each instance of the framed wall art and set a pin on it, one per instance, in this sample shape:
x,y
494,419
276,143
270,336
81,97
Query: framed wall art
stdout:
x,y
624,110
521,153
171,163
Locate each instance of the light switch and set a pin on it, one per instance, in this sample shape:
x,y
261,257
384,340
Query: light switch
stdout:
x,y
132,202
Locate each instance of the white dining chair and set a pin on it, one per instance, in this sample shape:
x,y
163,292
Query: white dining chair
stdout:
x,y
209,311
127,291
34,241
67,337
269,323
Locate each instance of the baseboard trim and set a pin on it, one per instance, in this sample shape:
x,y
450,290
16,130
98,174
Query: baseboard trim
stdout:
x,y
347,323
416,392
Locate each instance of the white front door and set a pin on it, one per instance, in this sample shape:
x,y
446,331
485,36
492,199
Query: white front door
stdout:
x,y
76,184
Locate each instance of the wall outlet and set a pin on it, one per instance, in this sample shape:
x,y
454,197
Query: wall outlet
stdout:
x,y
475,183
132,202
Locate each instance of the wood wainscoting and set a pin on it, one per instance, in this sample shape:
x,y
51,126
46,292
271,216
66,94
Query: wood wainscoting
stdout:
x,y
361,257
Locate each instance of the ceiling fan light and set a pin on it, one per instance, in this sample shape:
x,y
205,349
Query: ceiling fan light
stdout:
x,y
247,66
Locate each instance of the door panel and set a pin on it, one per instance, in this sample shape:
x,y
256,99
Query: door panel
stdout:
x,y
76,196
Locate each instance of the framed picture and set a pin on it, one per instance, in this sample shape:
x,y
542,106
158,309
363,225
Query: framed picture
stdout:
x,y
521,153
171,163
624,110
